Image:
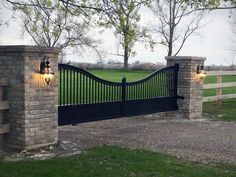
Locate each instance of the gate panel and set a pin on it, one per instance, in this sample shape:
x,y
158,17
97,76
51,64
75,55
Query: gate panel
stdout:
x,y
148,106
89,112
84,97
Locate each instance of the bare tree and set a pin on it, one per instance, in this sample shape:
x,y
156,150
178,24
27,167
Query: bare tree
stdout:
x,y
51,24
174,24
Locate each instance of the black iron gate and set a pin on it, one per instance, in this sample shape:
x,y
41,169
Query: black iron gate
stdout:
x,y
84,97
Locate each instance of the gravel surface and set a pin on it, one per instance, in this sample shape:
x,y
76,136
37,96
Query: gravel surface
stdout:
x,y
195,140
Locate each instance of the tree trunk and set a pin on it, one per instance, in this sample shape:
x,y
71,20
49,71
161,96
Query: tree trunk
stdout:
x,y
126,57
169,49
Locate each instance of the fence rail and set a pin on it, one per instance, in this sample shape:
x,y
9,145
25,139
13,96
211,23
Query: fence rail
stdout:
x,y
219,85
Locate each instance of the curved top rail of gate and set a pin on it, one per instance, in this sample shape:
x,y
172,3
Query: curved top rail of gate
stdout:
x,y
78,86
80,70
152,75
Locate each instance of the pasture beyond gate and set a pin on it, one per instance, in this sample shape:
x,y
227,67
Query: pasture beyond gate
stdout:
x,y
84,97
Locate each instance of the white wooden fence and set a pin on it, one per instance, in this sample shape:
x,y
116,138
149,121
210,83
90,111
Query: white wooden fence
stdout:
x,y
219,85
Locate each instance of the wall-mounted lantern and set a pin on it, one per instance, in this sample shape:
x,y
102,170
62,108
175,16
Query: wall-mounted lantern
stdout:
x,y
200,72
46,70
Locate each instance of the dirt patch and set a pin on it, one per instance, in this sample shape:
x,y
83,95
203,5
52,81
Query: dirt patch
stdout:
x,y
201,140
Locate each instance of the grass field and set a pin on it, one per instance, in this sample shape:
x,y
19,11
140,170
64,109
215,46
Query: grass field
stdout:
x,y
114,162
226,112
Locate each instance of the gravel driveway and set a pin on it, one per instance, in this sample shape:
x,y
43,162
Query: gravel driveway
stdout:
x,y
202,140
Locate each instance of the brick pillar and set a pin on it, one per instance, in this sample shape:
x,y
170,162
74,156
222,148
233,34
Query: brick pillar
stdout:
x,y
190,86
33,113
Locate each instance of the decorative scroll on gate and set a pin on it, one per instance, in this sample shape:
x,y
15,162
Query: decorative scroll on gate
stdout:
x,y
84,97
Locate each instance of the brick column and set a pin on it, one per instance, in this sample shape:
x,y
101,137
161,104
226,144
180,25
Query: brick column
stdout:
x,y
190,86
33,109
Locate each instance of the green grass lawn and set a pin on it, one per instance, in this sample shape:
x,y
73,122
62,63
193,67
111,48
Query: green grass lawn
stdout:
x,y
114,162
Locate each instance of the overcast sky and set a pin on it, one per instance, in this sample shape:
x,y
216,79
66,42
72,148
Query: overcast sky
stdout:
x,y
214,42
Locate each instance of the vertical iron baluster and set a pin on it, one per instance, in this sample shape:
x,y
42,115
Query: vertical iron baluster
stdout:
x,y
127,92
159,83
86,90
67,86
141,90
108,93
92,89
80,88
149,88
100,92
173,80
82,85
134,91
77,88
97,94
145,83
166,83
130,92
103,94
64,87
116,92
74,89
163,75
162,85
155,86
70,87
60,86
152,90
169,79
112,93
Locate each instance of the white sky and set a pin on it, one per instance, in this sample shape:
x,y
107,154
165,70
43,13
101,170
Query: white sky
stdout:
x,y
214,42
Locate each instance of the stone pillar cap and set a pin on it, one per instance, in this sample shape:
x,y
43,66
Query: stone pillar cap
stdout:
x,y
185,58
28,48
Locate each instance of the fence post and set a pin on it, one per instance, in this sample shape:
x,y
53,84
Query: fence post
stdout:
x,y
219,91
123,95
189,86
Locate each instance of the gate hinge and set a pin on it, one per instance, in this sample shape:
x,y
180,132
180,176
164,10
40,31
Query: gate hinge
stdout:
x,y
180,97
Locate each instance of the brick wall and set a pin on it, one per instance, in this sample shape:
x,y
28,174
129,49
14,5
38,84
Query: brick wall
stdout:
x,y
33,105
189,85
